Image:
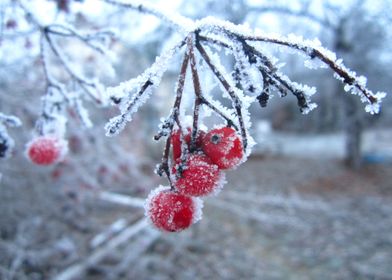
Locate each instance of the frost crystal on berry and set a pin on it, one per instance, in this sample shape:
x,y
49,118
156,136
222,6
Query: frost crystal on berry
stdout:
x,y
171,211
224,147
199,176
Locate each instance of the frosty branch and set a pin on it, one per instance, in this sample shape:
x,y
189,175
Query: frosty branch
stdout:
x,y
208,36
219,33
199,154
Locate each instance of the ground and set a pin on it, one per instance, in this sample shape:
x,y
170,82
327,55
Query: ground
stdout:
x,y
278,217
282,218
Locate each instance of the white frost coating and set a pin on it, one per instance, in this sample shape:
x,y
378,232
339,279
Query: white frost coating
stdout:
x,y
348,87
244,100
182,24
197,204
130,94
220,183
311,107
9,120
307,90
375,107
226,111
150,196
314,63
55,126
295,42
198,207
83,113
244,67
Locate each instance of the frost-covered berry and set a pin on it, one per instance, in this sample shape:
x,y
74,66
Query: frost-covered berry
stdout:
x,y
224,147
198,177
176,141
46,150
171,211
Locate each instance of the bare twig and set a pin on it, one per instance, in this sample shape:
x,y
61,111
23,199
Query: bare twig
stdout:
x,y
121,199
79,268
236,101
198,93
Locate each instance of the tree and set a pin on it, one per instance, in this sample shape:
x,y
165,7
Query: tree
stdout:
x,y
352,29
63,58
203,44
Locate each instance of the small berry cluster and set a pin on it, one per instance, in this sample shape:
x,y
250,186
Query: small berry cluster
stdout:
x,y
197,172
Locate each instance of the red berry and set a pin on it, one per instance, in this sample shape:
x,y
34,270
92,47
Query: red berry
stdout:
x,y
200,176
224,147
176,141
171,211
46,150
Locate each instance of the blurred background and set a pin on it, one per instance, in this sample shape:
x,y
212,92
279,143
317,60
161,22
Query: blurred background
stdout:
x,y
313,201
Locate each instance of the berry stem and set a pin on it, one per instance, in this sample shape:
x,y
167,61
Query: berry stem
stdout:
x,y
198,93
164,166
235,100
230,123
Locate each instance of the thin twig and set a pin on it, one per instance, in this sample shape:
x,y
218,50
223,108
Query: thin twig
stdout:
x,y
164,166
236,101
340,70
198,93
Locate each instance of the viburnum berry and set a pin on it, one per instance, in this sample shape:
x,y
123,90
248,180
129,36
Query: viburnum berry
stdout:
x,y
46,150
176,141
224,147
198,177
171,211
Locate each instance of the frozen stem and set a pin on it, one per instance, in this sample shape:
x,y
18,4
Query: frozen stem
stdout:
x,y
236,101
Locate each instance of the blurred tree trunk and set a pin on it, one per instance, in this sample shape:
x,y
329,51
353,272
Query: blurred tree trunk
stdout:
x,y
352,117
353,130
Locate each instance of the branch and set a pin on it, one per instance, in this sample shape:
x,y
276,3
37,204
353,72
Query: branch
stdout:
x,y
78,269
167,127
198,93
121,199
67,31
176,21
308,48
303,13
236,101
130,103
312,49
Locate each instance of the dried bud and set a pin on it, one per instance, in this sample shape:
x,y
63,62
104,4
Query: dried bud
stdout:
x,y
263,99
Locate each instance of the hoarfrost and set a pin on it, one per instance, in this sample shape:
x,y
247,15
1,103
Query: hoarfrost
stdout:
x,y
309,108
197,204
83,113
198,210
314,63
135,92
374,108
10,121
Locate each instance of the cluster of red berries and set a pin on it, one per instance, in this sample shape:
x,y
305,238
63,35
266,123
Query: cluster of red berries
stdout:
x,y
199,174
46,150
